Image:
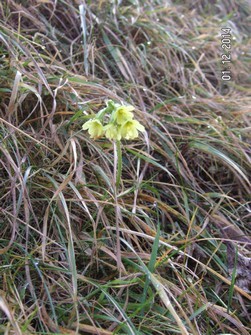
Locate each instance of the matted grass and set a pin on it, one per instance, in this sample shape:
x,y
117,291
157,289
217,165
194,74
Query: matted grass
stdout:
x,y
185,187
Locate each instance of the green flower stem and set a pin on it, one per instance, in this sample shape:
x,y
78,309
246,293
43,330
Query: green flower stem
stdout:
x,y
117,180
110,106
119,164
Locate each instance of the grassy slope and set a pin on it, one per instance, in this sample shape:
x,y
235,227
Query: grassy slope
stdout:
x,y
58,269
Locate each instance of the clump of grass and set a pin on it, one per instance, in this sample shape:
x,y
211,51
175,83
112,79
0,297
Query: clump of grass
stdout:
x,y
180,187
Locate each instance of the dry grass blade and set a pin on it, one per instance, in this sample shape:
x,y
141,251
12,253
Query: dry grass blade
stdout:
x,y
6,309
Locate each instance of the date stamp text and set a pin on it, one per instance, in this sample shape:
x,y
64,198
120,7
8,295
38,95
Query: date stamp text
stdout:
x,y
226,44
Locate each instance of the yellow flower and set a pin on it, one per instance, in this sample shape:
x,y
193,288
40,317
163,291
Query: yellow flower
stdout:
x,y
123,114
112,132
129,130
95,128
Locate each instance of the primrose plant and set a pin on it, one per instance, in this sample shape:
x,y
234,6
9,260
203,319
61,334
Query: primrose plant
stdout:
x,y
115,122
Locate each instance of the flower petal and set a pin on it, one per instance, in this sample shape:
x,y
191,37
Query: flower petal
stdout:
x,y
112,132
139,126
123,114
129,130
95,128
86,125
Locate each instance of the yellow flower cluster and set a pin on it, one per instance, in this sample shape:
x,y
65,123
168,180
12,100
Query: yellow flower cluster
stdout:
x,y
121,124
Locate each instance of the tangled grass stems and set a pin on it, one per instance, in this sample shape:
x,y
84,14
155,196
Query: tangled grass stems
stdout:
x,y
190,176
